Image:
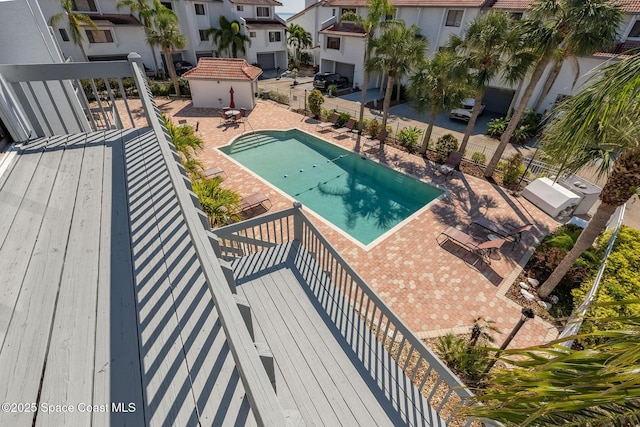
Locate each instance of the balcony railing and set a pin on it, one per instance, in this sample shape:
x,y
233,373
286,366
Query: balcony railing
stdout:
x,y
348,295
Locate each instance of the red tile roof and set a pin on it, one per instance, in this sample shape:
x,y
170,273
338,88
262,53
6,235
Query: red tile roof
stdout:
x,y
261,23
223,69
620,49
629,6
347,28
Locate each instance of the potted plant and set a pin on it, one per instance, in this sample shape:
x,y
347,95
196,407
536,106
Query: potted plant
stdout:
x,y
332,90
294,73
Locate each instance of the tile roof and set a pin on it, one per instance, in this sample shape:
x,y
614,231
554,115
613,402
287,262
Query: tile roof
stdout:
x,y
257,2
413,3
348,28
619,49
629,6
261,23
223,69
114,19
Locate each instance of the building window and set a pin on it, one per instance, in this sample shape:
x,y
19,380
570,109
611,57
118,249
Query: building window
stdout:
x,y
635,30
347,10
454,18
204,35
275,36
85,5
64,35
167,4
199,8
239,8
262,12
516,16
99,36
252,34
333,43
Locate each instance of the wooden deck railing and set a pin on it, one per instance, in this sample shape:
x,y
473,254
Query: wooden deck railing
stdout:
x,y
358,303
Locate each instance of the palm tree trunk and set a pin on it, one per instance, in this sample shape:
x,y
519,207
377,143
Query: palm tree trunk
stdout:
x,y
549,81
428,132
472,121
517,115
387,100
365,83
596,226
172,71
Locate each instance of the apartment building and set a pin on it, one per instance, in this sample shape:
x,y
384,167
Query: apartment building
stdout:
x,y
338,46
120,32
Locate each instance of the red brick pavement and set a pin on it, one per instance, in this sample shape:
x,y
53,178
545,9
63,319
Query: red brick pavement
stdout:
x,y
433,288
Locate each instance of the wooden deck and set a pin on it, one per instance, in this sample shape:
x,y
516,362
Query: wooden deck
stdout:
x,y
330,366
103,306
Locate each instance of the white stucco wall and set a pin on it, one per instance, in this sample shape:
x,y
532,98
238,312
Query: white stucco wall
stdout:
x,y
214,94
261,44
351,52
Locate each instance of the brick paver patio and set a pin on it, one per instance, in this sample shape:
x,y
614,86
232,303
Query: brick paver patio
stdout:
x,y
431,287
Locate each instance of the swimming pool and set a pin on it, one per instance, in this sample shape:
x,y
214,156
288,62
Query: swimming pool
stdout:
x,y
355,194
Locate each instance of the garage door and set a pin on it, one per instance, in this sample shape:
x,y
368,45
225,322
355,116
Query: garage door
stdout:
x,y
346,70
267,61
498,100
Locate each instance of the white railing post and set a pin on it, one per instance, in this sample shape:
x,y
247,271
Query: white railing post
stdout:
x,y
135,58
297,221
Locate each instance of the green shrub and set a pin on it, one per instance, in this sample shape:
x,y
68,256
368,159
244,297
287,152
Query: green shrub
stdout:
x,y
445,145
332,90
160,88
496,127
305,58
467,362
408,138
479,158
621,281
326,114
513,171
280,98
315,102
343,118
373,128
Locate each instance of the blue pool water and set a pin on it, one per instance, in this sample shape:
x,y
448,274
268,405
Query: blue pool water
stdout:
x,y
355,194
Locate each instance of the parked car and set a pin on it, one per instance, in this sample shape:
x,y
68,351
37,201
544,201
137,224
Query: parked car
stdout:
x,y
324,80
464,112
182,67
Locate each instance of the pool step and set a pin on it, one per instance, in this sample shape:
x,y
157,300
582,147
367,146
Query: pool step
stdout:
x,y
251,141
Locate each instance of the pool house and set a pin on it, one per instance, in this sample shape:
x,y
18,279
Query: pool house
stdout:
x,y
120,306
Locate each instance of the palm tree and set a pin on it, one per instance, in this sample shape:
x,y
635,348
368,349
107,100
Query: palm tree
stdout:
x,y
228,37
554,385
486,53
397,51
377,10
299,38
599,127
558,29
434,88
75,20
220,204
187,144
166,34
145,15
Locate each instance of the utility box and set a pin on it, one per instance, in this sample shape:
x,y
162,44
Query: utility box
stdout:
x,y
552,198
588,192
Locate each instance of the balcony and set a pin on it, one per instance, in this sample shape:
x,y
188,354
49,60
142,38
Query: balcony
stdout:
x,y
118,298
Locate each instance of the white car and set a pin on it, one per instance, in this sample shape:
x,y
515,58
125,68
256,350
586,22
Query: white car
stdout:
x,y
464,113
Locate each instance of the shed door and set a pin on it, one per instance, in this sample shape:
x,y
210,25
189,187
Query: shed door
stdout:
x,y
498,99
267,61
346,70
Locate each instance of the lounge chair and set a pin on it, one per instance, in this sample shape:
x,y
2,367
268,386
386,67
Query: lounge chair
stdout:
x,y
211,172
377,141
482,249
452,163
345,129
254,201
506,231
328,125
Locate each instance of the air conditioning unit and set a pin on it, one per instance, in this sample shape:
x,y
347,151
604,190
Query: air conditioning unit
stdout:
x,y
587,191
552,198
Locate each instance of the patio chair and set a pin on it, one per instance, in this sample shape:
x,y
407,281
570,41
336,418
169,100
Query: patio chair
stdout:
x,y
451,164
243,113
346,128
506,231
182,122
328,125
211,172
482,249
224,119
377,141
253,201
